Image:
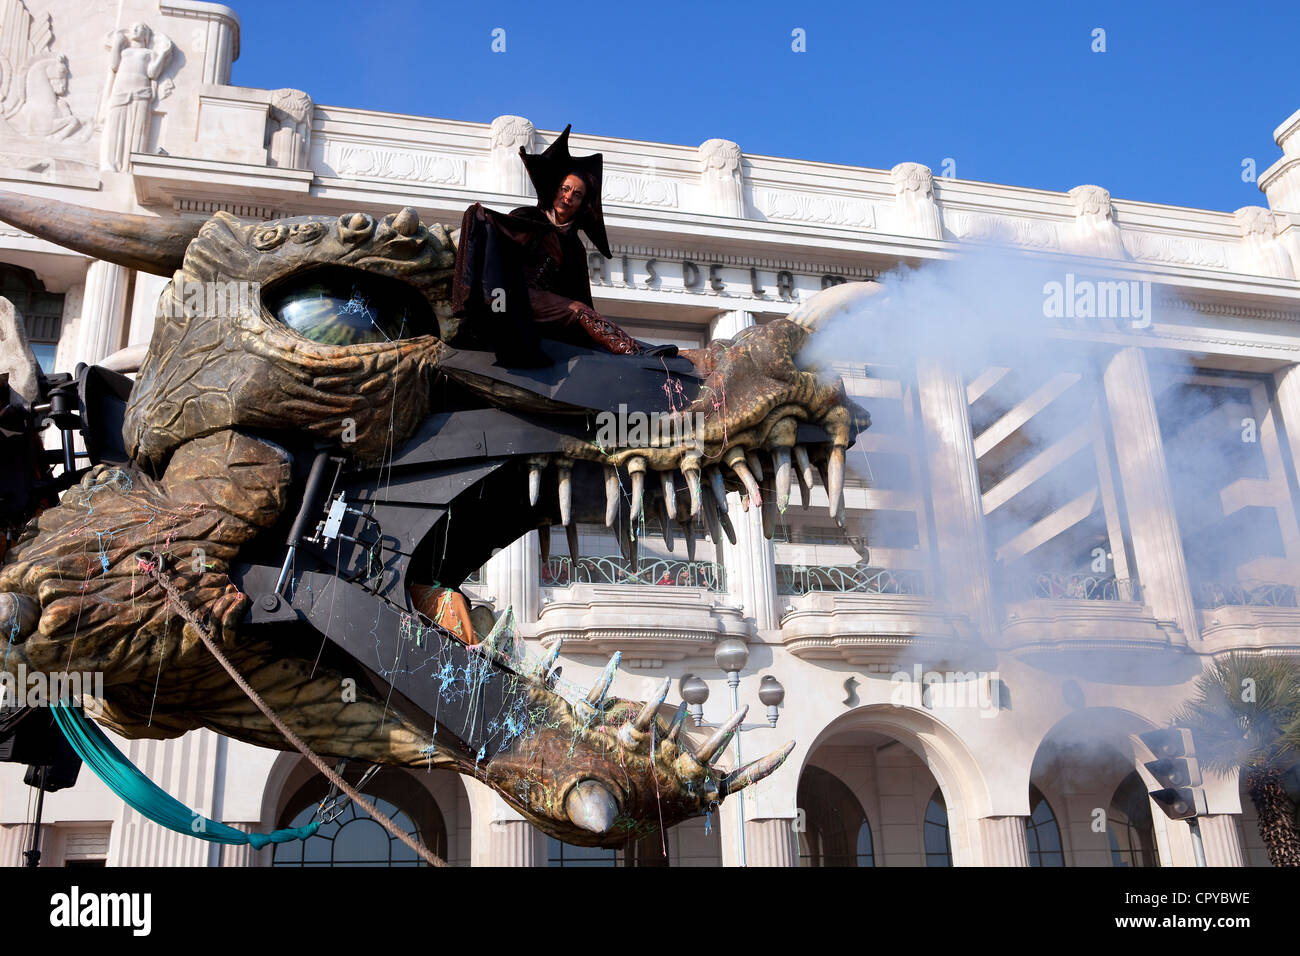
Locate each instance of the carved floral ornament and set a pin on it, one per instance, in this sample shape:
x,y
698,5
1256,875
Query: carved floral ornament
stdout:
x,y
720,155
913,177
511,132
1255,221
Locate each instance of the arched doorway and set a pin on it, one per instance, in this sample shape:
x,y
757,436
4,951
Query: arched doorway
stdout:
x,y
836,831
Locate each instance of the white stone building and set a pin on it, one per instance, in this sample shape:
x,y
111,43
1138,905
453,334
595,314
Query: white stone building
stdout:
x,y
1065,548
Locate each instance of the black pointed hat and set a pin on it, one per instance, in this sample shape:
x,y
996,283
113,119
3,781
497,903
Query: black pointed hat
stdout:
x,y
548,169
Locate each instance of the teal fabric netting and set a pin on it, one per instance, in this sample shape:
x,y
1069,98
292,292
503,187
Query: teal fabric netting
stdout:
x,y
150,800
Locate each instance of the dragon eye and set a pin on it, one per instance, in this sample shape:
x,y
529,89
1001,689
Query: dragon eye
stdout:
x,y
349,307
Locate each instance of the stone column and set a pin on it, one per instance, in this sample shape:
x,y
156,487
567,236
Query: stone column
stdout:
x,y
1153,524
963,573
1219,834
511,578
1288,404
512,843
1004,841
751,561
771,842
15,839
103,311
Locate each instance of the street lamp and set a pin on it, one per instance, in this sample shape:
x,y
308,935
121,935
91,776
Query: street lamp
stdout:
x,y
731,655
771,693
695,692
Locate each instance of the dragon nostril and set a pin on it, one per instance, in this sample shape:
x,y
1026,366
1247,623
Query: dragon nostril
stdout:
x,y
591,806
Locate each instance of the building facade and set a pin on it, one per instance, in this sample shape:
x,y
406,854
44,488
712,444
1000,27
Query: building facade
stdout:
x,y
1038,561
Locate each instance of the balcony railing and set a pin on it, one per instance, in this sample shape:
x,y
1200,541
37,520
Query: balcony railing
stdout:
x,y
560,572
846,579
1266,594
1069,586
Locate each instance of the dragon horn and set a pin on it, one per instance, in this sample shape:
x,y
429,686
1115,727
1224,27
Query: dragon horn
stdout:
x,y
148,243
675,727
647,715
548,662
754,771
601,687
713,746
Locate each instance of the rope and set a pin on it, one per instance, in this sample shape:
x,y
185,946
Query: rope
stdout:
x,y
151,564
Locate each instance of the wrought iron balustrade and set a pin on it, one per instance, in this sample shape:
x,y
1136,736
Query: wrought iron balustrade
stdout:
x,y
560,572
1068,586
1213,594
847,579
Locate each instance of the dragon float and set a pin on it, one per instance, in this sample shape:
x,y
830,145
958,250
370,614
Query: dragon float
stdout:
x,y
300,476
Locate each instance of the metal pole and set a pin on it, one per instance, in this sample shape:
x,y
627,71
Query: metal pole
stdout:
x,y
33,856
733,681
1198,848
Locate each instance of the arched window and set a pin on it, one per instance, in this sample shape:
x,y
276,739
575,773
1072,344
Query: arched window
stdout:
x,y
353,838
938,848
1041,832
1128,825
836,829
42,311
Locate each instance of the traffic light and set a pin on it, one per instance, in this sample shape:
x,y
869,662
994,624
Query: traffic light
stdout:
x,y
1176,770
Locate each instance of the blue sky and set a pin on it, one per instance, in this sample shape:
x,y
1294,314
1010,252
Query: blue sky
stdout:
x,y
1011,93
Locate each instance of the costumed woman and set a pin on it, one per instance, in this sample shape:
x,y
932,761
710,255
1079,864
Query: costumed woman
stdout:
x,y
523,276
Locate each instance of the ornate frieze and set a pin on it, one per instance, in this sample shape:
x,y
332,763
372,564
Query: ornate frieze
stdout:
x,y
810,207
34,80
1154,247
1006,230
357,161
639,190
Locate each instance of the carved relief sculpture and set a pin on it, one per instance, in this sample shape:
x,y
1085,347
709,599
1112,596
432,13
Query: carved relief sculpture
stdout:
x,y
1094,232
508,135
34,79
721,178
1265,256
137,58
915,211
289,129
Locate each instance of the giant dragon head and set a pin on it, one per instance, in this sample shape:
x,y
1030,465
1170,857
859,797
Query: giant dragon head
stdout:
x,y
330,412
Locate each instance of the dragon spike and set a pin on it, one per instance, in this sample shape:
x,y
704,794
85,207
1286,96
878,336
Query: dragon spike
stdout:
x,y
611,495
675,725
711,520
805,466
756,466
548,662
636,466
754,771
835,478
592,807
534,481
601,687
804,476
688,531
670,494
719,489
747,479
769,514
781,458
565,484
150,244
693,486
727,527
712,747
647,715
665,527
571,535
544,540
